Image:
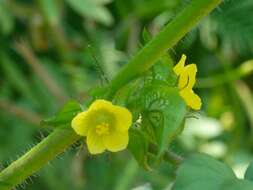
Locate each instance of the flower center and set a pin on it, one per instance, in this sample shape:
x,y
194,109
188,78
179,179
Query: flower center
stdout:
x,y
102,129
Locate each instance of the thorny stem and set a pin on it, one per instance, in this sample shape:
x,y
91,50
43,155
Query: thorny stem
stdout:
x,y
37,157
61,138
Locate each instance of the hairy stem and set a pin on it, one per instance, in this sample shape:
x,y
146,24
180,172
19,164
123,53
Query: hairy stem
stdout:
x,y
38,156
60,139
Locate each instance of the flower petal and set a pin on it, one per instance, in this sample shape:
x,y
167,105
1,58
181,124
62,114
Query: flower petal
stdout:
x,y
116,141
123,118
187,78
100,104
179,67
95,143
80,124
191,99
192,70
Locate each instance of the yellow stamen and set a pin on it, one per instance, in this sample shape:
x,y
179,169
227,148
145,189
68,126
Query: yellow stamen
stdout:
x,y
102,129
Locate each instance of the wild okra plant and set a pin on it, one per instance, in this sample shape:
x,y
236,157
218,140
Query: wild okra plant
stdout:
x,y
142,109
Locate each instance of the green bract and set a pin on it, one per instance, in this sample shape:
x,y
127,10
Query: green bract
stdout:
x,y
64,116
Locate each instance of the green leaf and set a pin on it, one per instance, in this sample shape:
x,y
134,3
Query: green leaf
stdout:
x,y
238,184
146,36
249,172
158,102
200,172
163,114
163,71
234,27
89,8
138,146
65,116
6,19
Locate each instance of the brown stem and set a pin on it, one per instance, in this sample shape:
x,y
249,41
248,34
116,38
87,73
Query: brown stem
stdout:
x,y
21,113
26,52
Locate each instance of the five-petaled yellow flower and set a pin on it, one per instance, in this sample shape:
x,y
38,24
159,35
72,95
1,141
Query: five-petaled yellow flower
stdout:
x,y
186,81
105,125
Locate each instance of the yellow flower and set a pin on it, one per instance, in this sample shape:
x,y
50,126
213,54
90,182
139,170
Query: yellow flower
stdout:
x,y
186,81
105,125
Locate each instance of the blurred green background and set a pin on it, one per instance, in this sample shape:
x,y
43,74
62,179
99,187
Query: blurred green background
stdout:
x,y
53,50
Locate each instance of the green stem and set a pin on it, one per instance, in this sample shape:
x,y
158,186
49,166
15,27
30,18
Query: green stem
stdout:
x,y
245,95
173,158
163,41
61,138
38,156
243,70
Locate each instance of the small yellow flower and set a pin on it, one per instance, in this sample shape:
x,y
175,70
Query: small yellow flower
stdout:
x,y
186,81
105,125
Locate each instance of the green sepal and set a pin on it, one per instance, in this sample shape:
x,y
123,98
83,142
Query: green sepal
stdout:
x,y
64,116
